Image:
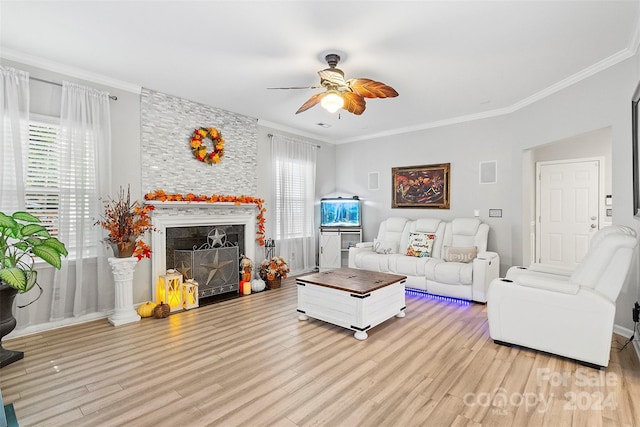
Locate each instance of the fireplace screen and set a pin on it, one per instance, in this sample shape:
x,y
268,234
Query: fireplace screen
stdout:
x,y
214,265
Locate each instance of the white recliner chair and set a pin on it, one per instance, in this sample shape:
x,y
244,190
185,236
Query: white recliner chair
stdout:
x,y
568,315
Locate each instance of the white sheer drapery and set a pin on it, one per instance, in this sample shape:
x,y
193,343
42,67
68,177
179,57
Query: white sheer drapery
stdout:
x,y
293,189
14,135
82,284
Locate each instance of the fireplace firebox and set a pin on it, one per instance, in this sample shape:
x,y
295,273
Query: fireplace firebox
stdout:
x,y
214,264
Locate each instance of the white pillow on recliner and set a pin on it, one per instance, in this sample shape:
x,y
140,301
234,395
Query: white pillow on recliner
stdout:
x,y
460,254
384,247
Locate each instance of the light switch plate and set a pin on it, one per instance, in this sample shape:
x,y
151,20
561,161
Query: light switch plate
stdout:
x,y
495,213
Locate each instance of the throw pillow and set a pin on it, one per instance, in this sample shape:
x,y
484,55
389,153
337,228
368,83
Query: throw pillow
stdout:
x,y
384,247
460,254
420,244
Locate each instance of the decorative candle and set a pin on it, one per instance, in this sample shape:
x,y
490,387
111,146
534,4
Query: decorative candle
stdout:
x,y
246,288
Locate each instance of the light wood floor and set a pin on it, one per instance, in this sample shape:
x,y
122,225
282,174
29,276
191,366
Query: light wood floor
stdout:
x,y
250,361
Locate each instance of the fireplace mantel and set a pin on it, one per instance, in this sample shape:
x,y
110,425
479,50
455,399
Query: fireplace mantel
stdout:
x,y
185,214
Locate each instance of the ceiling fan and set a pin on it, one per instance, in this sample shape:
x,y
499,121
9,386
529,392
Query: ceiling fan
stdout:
x,y
341,93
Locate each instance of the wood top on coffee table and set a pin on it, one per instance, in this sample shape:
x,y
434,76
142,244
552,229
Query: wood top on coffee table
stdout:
x,y
352,280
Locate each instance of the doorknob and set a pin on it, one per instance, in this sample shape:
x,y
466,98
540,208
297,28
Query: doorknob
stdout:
x,y
593,218
593,226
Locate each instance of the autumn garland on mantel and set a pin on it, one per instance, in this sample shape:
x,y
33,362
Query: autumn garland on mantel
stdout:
x,y
161,196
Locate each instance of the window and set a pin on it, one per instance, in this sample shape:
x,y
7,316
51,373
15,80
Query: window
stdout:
x,y
45,179
292,198
294,173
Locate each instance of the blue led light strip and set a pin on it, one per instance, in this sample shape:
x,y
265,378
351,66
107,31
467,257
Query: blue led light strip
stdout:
x,y
418,292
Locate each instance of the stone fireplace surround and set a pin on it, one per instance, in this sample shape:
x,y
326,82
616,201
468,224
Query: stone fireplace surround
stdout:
x,y
186,214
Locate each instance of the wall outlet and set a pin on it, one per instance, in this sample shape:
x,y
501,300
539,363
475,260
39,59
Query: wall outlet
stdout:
x,y
636,312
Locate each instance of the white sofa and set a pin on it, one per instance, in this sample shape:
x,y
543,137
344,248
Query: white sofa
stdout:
x,y
458,239
569,315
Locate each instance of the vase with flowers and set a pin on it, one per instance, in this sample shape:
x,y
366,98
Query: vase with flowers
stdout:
x,y
273,271
126,222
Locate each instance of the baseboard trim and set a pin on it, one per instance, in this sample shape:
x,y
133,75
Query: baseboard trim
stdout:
x,y
622,331
42,327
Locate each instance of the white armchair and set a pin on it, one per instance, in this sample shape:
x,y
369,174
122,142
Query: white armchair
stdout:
x,y
568,315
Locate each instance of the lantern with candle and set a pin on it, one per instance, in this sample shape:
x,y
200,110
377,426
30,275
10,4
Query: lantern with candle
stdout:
x,y
190,294
169,290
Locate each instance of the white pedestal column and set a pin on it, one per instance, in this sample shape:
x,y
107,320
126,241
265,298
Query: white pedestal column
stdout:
x,y
124,312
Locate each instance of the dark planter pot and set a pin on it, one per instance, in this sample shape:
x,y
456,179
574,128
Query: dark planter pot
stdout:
x,y
7,324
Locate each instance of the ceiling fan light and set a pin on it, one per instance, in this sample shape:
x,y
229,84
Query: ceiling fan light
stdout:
x,y
332,101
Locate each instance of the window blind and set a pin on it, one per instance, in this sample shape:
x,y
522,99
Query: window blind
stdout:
x,y
291,197
42,186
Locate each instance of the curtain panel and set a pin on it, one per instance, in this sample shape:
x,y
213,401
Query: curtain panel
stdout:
x,y
293,189
83,284
14,136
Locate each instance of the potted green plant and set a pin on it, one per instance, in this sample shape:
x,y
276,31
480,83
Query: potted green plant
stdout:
x,y
22,241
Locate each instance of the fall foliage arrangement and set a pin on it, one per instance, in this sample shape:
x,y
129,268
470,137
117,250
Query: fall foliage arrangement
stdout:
x,y
127,222
273,268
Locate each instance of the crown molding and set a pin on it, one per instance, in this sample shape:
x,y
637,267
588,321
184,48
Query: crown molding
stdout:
x,y
563,84
429,125
78,73
283,128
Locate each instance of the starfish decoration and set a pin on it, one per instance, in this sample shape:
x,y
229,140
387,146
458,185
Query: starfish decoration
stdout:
x,y
184,270
215,266
217,239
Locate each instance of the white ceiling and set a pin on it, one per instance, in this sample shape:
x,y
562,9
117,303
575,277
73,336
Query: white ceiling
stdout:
x,y
450,61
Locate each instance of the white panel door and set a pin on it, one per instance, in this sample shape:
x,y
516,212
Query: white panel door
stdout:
x,y
568,210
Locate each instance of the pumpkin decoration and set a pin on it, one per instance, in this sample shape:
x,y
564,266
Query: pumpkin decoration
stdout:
x,y
146,309
161,310
257,285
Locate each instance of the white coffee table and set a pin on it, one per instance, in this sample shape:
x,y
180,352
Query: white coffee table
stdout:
x,y
351,298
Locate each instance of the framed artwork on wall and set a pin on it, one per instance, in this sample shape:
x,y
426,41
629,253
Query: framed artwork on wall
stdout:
x,y
424,186
635,138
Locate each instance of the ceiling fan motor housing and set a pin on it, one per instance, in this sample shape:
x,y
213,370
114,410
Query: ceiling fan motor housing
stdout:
x,y
332,59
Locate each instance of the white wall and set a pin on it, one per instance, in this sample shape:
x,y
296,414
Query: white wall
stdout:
x,y
464,146
601,101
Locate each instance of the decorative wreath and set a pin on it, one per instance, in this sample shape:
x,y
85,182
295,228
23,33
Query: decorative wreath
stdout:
x,y
199,149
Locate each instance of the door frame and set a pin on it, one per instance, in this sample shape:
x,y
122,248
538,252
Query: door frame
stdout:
x,y
601,194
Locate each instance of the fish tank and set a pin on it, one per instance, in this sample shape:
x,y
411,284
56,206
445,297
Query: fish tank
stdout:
x,y
340,212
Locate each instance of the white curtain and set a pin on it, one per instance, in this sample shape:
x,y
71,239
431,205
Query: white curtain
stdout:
x,y
293,189
81,286
14,135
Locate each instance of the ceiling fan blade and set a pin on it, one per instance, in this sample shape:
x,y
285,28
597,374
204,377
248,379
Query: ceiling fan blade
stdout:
x,y
311,102
296,87
353,103
371,88
332,77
